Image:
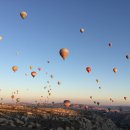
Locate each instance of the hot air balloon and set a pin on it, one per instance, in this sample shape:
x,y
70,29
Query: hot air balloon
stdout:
x,y
99,87
39,69
48,61
1,38
26,74
82,30
58,82
67,103
64,53
51,76
98,103
115,70
97,80
94,102
31,67
110,99
12,97
17,100
125,98
33,74
45,87
127,57
23,14
48,82
53,103
15,68
110,44
88,69
91,97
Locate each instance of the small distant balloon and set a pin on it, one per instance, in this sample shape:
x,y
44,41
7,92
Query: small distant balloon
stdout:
x,y
1,38
31,67
64,53
15,68
39,69
98,103
58,82
97,80
12,97
17,100
115,70
94,102
91,97
82,30
33,74
110,44
67,103
23,14
99,87
26,74
88,69
125,98
127,57
51,76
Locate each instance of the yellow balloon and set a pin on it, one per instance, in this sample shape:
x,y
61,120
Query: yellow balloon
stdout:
x,y
31,67
1,38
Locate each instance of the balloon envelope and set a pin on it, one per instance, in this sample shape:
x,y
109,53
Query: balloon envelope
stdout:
x,y
64,53
23,14
67,103
110,44
33,74
82,30
127,57
31,67
39,69
1,38
15,68
88,69
115,70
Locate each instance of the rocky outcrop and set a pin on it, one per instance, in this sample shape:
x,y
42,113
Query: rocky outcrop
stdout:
x,y
56,119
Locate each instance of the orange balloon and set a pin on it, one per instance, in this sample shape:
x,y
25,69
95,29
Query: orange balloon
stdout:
x,y
88,69
34,74
15,68
23,14
115,70
64,53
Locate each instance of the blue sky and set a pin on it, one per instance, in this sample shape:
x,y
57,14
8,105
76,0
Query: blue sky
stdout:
x,y
52,25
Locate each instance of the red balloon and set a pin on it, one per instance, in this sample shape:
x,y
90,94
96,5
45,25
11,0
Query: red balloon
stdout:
x,y
34,74
88,69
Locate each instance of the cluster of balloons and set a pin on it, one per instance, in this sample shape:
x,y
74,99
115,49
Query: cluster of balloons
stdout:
x,y
64,53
